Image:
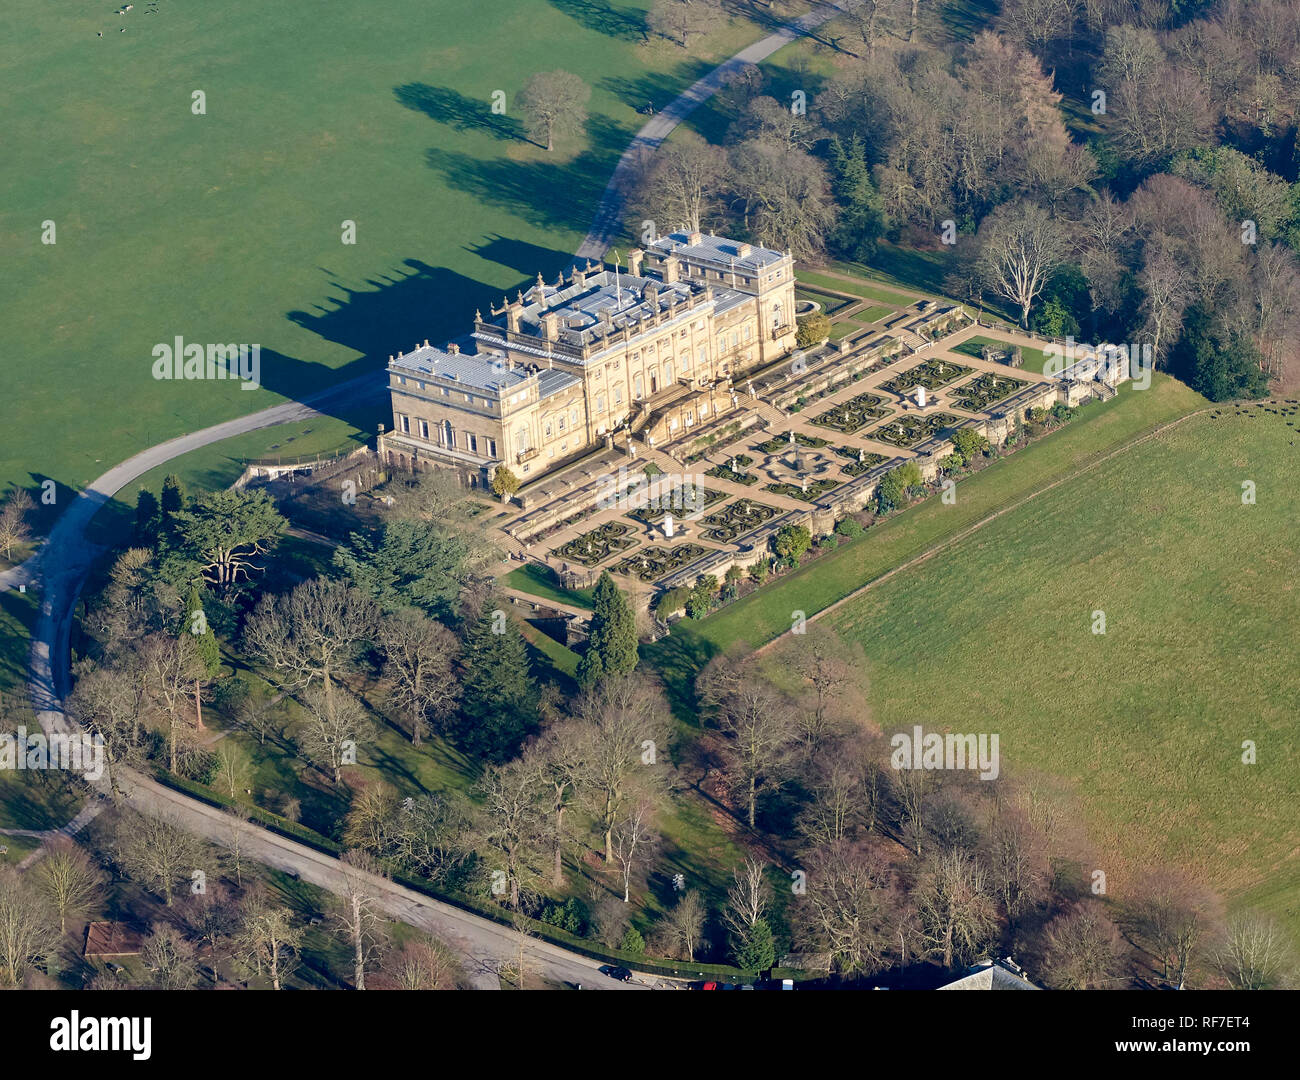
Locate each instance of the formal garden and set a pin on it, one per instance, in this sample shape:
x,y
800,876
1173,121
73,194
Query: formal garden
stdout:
x,y
909,430
736,518
688,499
775,446
982,391
733,469
860,460
932,375
599,544
653,563
849,416
805,492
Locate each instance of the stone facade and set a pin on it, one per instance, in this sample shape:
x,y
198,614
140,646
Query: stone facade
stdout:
x,y
563,369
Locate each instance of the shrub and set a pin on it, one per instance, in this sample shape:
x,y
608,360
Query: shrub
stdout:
x,y
968,444
568,916
849,527
632,942
812,329
891,491
672,600
791,542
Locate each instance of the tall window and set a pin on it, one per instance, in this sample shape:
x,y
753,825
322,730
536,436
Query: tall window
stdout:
x,y
424,429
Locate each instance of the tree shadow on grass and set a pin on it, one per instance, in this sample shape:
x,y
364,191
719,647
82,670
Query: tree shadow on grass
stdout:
x,y
623,24
678,659
410,303
457,111
545,194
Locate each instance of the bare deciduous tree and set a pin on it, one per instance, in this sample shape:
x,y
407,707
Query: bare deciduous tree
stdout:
x,y
679,184
848,909
418,654
624,722
634,843
69,879
423,963
27,927
170,959
312,634
269,938
359,916
558,760
759,725
748,897
683,925
681,20
955,912
1020,245
512,827
1173,916
332,728
159,853
553,102
15,528
1255,954
1083,949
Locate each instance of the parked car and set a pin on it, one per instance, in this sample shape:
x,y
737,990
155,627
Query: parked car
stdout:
x,y
622,974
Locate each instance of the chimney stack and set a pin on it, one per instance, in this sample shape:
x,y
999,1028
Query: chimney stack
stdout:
x,y
634,258
672,268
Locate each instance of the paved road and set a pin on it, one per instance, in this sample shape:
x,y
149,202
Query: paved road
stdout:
x,y
609,215
64,560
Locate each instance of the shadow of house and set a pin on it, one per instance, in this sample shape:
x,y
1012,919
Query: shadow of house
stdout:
x,y
527,260
461,113
408,304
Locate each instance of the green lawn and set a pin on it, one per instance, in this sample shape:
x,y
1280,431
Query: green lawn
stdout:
x,y
228,226
1145,722
856,288
542,581
1035,359
763,615
829,302
871,314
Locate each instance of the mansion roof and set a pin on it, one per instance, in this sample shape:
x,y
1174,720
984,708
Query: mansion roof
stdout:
x,y
716,250
488,371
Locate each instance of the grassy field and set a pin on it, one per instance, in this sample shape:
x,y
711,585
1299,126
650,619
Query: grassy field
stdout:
x,y
542,582
767,613
1147,721
856,288
228,226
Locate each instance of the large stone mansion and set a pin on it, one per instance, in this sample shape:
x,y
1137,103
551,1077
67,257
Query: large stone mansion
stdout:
x,y
565,368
